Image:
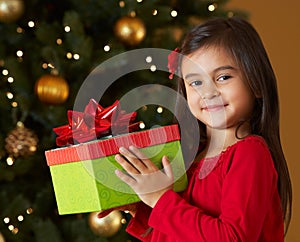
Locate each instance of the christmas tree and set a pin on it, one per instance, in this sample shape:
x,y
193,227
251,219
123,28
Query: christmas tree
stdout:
x,y
47,49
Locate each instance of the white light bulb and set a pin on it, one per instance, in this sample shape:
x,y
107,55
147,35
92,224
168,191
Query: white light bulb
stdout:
x,y
153,68
31,24
106,48
67,29
148,59
174,13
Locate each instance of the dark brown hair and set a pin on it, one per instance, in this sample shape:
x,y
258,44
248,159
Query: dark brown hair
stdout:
x,y
242,42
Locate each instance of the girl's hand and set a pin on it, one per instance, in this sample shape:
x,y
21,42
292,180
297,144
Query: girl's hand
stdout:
x,y
144,177
131,208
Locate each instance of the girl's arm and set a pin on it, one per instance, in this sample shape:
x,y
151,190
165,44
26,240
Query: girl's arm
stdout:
x,y
249,190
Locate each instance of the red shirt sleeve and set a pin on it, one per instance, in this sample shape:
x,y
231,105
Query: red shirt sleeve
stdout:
x,y
248,188
138,225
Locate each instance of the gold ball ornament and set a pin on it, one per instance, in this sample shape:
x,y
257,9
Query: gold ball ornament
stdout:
x,y
52,89
106,226
11,10
130,30
21,142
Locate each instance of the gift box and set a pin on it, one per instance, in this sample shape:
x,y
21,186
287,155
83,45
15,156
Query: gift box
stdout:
x,y
83,175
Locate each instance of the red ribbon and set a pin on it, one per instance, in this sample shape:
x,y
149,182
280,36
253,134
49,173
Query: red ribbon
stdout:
x,y
95,122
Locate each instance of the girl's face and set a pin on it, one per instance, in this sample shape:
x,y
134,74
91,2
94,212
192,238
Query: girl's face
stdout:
x,y
216,92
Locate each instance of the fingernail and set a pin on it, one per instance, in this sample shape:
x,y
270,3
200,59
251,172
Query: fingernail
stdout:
x,y
131,147
117,172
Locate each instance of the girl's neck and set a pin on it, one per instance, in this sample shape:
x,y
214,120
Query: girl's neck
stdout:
x,y
219,139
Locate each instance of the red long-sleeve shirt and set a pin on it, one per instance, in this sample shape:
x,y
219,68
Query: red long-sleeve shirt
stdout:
x,y
237,200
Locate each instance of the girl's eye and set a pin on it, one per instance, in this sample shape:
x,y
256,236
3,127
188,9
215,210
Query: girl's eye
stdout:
x,y
196,83
223,78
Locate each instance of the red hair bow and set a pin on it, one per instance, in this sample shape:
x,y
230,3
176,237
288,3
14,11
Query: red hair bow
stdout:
x,y
173,59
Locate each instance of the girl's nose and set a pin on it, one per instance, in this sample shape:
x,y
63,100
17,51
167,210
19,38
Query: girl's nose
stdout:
x,y
209,91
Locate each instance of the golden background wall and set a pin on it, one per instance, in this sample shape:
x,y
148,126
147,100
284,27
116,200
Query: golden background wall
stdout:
x,y
278,23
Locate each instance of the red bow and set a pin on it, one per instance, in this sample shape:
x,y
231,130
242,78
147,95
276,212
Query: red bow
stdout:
x,y
173,59
94,122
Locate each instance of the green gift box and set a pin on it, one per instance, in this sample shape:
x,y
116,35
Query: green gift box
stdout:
x,y
83,175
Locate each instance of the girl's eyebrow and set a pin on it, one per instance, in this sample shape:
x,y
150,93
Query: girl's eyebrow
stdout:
x,y
220,68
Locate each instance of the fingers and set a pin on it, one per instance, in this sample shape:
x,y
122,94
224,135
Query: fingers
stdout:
x,y
128,166
125,178
104,213
137,160
127,207
167,166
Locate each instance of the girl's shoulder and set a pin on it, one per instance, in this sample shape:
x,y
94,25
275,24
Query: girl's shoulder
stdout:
x,y
251,152
249,142
248,149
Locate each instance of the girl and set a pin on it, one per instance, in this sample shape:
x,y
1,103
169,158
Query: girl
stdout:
x,y
239,185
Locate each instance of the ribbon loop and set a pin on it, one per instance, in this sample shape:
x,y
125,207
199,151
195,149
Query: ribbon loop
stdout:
x,y
95,122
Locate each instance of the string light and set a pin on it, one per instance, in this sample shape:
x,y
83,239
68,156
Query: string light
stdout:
x,y
69,55
6,220
159,110
59,41
14,104
10,161
106,48
15,230
31,24
139,1
153,68
122,4
76,56
4,72
10,79
20,30
9,95
174,13
154,12
212,7
67,28
29,210
132,14
50,65
142,125
19,53
148,59
11,227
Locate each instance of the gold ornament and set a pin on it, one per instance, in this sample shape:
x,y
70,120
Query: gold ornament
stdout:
x,y
52,89
11,10
130,30
21,141
106,226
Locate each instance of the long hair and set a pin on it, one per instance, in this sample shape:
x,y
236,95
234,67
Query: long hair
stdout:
x,y
243,44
